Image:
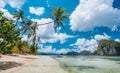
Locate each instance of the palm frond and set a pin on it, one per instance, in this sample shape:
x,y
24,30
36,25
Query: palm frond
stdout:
x,y
59,15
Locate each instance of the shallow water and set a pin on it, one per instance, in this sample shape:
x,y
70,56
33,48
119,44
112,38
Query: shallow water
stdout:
x,y
90,64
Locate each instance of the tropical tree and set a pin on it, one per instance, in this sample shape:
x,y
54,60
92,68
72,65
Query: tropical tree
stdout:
x,y
27,23
32,34
19,15
7,41
59,14
10,35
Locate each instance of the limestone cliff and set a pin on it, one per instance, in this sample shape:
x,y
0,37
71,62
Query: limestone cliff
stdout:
x,y
108,48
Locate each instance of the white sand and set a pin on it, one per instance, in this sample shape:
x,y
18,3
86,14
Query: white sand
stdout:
x,y
22,59
18,58
44,64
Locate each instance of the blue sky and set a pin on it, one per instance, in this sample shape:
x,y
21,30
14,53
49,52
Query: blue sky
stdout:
x,y
89,22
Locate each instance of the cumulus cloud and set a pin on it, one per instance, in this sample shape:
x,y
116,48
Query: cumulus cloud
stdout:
x,y
85,44
12,3
63,51
47,33
100,37
37,10
80,45
89,44
94,13
62,37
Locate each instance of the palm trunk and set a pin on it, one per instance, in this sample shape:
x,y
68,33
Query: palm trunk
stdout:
x,y
12,32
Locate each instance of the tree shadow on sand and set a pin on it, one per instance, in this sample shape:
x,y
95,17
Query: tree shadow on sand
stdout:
x,y
8,65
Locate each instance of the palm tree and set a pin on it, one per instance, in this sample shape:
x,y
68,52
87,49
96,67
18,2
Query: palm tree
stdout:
x,y
19,15
32,34
58,16
27,23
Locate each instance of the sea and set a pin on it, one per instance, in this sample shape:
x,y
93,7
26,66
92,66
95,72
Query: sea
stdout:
x,y
89,64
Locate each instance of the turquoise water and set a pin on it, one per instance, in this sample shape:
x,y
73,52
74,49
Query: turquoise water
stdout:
x,y
90,64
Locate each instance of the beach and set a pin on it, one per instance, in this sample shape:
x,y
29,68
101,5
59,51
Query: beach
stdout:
x,y
55,64
32,64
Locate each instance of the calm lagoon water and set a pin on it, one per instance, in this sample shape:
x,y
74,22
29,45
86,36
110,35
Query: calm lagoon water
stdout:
x,y
90,64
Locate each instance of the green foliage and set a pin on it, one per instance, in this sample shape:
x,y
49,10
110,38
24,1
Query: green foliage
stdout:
x,y
108,47
23,48
8,41
11,43
59,15
31,31
16,50
33,49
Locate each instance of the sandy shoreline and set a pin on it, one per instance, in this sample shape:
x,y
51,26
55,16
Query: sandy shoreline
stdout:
x,y
33,64
16,61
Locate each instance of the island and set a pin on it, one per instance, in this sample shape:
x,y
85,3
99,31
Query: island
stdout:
x,y
108,48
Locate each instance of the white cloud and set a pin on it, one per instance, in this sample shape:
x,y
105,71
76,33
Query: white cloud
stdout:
x,y
47,33
62,37
89,44
100,37
63,51
47,49
37,10
85,44
94,13
12,3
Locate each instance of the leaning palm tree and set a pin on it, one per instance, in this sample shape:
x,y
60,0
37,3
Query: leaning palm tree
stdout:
x,y
58,16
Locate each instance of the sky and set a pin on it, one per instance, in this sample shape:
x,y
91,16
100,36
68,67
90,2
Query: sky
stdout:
x,y
90,21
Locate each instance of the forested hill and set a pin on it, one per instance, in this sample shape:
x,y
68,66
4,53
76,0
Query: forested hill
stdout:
x,y
108,48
